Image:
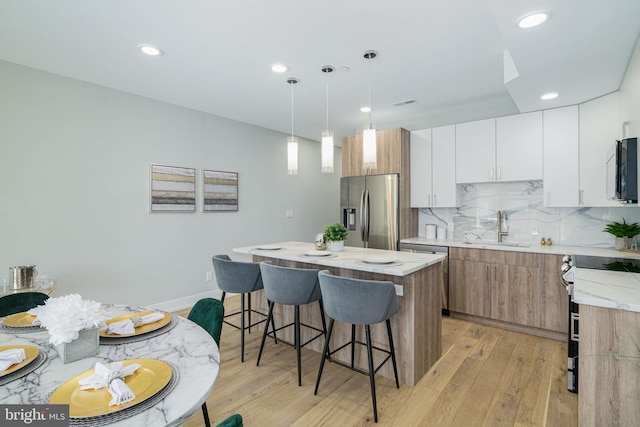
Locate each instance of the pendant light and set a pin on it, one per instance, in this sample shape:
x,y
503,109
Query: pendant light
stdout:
x,y
326,148
369,160
292,141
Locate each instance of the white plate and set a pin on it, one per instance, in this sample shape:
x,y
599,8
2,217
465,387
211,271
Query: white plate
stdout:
x,y
318,253
269,248
379,261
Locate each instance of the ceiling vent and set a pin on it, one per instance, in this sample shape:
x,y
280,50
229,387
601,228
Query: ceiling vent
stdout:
x,y
405,102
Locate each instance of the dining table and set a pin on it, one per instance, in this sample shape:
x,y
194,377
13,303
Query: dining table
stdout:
x,y
185,347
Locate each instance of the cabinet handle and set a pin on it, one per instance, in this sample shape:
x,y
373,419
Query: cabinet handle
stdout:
x,y
581,197
491,173
499,173
434,200
495,272
429,202
487,273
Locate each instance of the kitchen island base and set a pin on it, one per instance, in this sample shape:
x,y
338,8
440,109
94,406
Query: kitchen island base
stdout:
x,y
417,327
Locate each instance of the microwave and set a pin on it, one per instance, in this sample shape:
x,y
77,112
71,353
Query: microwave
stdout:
x,y
622,171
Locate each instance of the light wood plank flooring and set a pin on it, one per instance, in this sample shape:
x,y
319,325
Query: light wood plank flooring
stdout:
x,y
486,377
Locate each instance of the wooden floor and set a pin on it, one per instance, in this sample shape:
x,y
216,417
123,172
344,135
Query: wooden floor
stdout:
x,y
486,377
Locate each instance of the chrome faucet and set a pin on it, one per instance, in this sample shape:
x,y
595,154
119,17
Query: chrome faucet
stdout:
x,y
501,233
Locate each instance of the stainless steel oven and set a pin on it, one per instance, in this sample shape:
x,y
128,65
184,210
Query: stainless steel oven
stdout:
x,y
433,249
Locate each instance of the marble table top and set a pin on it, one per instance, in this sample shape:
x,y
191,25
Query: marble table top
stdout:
x,y
609,289
380,261
187,346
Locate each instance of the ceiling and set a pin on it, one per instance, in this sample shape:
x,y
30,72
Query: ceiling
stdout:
x,y
445,55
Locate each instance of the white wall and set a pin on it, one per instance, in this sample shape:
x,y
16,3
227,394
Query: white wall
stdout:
x,y
74,189
630,94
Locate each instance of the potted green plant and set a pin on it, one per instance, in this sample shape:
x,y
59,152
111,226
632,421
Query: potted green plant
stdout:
x,y
624,233
335,235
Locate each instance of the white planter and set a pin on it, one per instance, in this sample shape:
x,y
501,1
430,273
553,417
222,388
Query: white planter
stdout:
x,y
335,246
620,243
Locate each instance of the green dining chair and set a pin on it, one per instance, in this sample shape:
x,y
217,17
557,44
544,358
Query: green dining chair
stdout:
x,y
234,420
208,313
21,301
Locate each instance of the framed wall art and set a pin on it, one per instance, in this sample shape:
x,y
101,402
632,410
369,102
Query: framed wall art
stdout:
x,y
173,189
220,191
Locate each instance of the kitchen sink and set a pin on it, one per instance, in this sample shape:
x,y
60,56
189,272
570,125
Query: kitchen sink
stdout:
x,y
491,243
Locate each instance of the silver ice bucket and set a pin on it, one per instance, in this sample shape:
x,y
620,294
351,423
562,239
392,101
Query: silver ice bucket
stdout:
x,y
21,277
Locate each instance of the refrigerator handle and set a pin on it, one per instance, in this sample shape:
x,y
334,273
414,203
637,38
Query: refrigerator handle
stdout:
x,y
368,217
362,217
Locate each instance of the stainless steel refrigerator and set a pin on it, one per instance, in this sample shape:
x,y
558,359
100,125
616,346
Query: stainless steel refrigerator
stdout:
x,y
369,207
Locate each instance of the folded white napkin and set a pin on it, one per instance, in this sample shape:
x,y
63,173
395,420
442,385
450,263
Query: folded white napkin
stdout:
x,y
11,357
112,377
128,327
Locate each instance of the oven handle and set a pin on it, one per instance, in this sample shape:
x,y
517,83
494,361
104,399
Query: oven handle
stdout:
x,y
575,317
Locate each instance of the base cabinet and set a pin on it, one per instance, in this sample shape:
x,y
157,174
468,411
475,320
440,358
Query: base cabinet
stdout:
x,y
521,288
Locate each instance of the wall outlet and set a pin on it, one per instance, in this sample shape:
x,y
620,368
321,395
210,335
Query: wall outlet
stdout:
x,y
209,276
534,230
450,226
288,213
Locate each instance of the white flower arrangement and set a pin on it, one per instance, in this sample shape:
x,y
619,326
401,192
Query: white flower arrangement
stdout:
x,y
65,316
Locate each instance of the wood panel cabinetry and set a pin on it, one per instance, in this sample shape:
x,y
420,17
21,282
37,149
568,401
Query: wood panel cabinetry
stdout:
x,y
520,288
392,153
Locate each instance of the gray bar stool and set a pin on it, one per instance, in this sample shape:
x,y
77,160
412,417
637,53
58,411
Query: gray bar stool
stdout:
x,y
359,302
291,286
240,278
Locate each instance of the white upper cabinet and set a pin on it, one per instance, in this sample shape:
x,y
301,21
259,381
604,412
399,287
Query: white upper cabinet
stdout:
x,y
433,179
561,173
420,161
519,147
599,129
476,151
443,150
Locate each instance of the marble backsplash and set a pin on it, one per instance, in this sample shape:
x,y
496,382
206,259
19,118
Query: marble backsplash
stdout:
x,y
522,205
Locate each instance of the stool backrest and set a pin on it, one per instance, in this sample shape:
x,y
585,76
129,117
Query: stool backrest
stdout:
x,y
208,313
291,286
236,276
357,301
21,301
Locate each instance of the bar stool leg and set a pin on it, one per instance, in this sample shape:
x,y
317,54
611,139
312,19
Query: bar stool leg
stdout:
x,y
372,379
249,312
223,295
393,353
205,413
266,331
242,326
325,355
297,341
324,321
273,326
353,344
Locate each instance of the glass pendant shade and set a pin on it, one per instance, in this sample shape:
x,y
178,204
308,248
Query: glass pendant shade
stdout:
x,y
327,151
369,156
292,155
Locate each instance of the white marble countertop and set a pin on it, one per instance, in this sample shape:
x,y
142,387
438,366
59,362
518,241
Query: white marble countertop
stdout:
x,y
393,263
188,346
534,247
609,289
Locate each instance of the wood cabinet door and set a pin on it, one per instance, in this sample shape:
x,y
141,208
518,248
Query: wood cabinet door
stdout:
x,y
515,294
469,287
554,302
352,155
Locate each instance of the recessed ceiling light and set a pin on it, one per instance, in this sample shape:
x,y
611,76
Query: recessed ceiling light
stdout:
x,y
548,96
533,19
365,109
279,68
150,50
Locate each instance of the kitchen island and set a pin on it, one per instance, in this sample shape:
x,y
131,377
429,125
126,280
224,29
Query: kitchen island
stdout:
x,y
609,355
417,327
